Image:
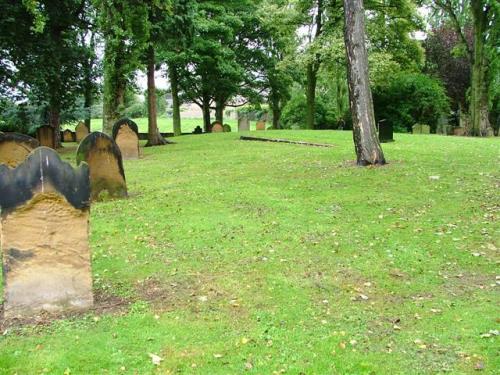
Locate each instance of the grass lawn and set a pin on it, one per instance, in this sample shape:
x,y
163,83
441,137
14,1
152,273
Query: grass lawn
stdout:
x,y
235,257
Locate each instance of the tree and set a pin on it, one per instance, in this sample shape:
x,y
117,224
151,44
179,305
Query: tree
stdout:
x,y
367,145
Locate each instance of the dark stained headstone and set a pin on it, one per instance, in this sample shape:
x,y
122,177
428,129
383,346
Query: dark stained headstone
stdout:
x,y
198,130
68,136
126,136
385,132
243,124
45,268
217,127
227,128
15,147
104,159
45,135
81,131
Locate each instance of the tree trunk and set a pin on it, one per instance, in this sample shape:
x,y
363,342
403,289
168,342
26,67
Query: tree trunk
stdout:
x,y
55,123
174,85
276,108
115,84
219,111
206,115
479,83
311,96
366,142
154,136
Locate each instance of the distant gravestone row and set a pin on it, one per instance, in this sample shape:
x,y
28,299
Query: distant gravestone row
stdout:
x,y
126,136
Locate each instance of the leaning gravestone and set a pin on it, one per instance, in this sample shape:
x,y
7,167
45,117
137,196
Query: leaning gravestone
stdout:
x,y
385,132
46,268
15,147
126,136
68,136
104,159
261,125
45,135
421,129
217,127
243,124
81,131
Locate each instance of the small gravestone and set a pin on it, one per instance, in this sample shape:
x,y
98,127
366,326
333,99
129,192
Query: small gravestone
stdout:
x,y
198,130
15,147
459,131
44,236
126,136
385,132
68,136
443,127
421,129
243,124
261,125
45,135
81,131
217,127
227,128
104,159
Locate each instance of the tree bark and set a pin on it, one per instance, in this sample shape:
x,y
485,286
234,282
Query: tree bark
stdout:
x,y
219,111
311,96
206,114
479,83
276,108
366,142
154,136
55,123
174,85
115,84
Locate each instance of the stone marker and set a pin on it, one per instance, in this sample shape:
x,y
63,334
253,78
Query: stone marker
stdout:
x,y
227,128
104,159
81,131
385,132
126,136
198,130
243,124
261,125
44,236
45,135
217,127
459,131
68,136
15,147
421,129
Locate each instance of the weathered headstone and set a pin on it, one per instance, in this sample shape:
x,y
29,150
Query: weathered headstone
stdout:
x,y
385,132
68,136
104,159
81,131
217,127
261,125
45,266
15,147
459,131
198,130
227,128
126,136
421,129
45,135
243,124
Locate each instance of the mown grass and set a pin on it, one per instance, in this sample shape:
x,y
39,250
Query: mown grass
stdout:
x,y
264,258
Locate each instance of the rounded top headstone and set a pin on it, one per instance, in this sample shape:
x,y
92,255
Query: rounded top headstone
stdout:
x,y
122,122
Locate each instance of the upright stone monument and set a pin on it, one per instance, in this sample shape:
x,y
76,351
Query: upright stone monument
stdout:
x,y
104,159
217,127
126,136
45,135
421,129
261,125
243,124
385,132
44,236
227,128
15,147
81,131
68,136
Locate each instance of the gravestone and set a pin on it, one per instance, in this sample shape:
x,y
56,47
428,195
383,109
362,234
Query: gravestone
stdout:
x,y
459,131
68,136
217,127
81,131
45,135
385,132
421,129
261,125
15,147
104,159
227,128
198,130
126,136
243,124
44,236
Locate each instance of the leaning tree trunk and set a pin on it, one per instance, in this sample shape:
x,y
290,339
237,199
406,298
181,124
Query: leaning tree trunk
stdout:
x,y
176,104
154,136
366,142
479,83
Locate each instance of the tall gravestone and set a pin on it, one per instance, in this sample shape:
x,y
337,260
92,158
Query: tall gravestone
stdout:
x,y
104,159
46,267
126,136
385,132
68,136
45,135
81,131
243,124
15,147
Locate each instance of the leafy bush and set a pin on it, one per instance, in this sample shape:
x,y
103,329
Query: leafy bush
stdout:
x,y
409,98
294,113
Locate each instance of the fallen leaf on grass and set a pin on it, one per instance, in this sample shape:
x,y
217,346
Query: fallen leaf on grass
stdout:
x,y
155,359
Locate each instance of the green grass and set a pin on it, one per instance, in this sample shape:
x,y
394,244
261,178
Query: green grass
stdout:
x,y
264,258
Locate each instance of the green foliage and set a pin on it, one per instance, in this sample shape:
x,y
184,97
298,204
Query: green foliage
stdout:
x,y
409,98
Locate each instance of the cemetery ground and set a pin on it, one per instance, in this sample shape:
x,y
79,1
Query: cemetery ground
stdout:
x,y
250,257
